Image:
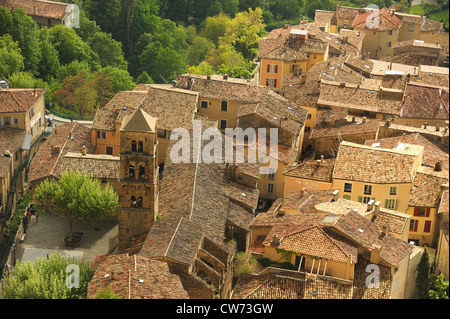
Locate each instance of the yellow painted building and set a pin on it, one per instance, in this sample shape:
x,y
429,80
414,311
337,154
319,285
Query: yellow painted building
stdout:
x,y
362,173
293,56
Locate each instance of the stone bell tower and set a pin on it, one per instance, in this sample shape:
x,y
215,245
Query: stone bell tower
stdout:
x,y
138,177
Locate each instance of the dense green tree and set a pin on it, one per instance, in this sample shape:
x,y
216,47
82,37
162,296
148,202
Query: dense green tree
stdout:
x,y
77,197
72,69
71,47
144,78
49,278
199,49
49,63
441,290
121,79
215,27
108,50
11,59
106,14
423,276
26,80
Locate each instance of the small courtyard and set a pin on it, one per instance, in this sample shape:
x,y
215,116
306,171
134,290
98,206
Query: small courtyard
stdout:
x,y
45,236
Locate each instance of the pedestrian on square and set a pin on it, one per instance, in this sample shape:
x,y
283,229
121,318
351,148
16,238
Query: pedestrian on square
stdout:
x,y
25,223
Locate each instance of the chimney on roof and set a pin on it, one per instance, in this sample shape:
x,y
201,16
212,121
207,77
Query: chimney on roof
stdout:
x,y
303,191
281,212
55,150
208,77
83,150
438,166
335,195
370,205
388,123
276,240
342,84
364,119
321,159
437,127
375,254
286,26
225,77
425,125
377,207
7,153
384,229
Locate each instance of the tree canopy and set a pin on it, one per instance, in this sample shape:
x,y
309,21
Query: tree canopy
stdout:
x,y
76,197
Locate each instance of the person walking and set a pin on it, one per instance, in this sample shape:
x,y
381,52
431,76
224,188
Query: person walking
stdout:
x,y
25,223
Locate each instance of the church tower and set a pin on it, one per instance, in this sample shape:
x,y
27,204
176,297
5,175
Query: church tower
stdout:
x,y
138,177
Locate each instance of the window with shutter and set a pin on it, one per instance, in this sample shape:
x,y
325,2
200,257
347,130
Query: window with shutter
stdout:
x,y
427,227
427,212
416,211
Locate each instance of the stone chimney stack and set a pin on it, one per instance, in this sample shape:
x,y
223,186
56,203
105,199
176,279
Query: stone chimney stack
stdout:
x,y
375,254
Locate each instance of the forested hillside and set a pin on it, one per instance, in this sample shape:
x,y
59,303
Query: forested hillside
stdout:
x,y
121,43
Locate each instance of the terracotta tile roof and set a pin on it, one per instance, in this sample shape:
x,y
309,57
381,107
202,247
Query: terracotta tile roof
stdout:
x,y
305,201
40,8
316,242
286,30
355,38
356,162
96,165
205,196
323,16
69,137
431,153
312,169
285,154
430,76
348,12
425,102
365,233
19,100
343,206
338,44
443,207
174,107
359,64
174,238
360,288
135,277
296,50
324,128
431,25
395,221
380,20
302,94
334,69
291,285
121,105
11,139
426,189
255,99
366,97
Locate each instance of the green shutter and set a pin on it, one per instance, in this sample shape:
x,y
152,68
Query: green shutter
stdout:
x,y
386,203
360,199
396,202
